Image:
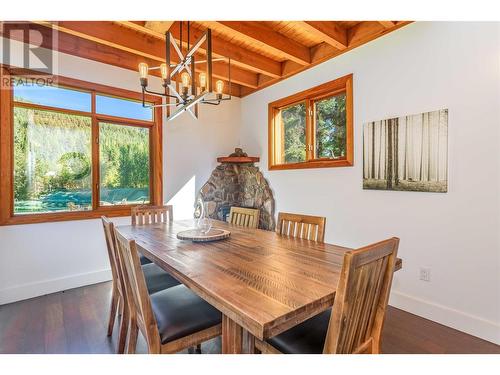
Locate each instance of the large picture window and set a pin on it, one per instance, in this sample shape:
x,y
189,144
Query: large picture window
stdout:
x,y
52,161
76,150
313,128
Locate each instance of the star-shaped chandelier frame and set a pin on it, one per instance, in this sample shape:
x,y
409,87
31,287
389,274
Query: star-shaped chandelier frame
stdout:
x,y
184,87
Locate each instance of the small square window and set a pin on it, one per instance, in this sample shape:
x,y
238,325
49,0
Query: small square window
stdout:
x,y
313,128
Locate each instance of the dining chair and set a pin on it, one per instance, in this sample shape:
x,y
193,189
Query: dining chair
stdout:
x,y
354,324
170,320
156,280
301,226
246,217
145,214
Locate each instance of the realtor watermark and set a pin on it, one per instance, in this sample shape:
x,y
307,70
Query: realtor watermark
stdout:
x,y
27,51
8,82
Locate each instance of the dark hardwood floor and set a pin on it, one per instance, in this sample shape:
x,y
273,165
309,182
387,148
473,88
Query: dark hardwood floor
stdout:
x,y
74,321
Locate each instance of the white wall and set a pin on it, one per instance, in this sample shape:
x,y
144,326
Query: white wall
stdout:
x,y
190,150
37,259
421,67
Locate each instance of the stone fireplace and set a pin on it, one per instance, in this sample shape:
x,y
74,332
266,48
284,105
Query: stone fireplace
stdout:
x,y
236,181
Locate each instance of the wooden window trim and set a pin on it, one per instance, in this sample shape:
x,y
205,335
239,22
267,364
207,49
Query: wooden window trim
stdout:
x,y
7,216
337,86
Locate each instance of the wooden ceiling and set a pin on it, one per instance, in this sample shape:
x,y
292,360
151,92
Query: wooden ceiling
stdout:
x,y
261,52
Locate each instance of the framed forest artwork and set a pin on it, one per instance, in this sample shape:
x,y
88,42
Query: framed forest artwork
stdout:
x,y
408,153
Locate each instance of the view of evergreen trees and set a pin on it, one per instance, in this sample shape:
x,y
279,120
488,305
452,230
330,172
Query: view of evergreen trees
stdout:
x,y
330,129
52,157
294,124
124,153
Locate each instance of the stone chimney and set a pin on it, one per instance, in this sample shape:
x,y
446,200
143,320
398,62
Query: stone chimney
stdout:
x,y
236,181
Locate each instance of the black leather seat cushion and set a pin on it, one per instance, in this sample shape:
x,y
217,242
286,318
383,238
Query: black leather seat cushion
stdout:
x,y
306,338
144,260
179,312
157,279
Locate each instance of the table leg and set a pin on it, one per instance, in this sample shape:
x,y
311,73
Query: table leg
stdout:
x,y
249,342
232,336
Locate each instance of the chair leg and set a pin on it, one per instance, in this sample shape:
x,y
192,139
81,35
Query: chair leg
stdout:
x,y
121,305
133,331
154,347
112,311
122,337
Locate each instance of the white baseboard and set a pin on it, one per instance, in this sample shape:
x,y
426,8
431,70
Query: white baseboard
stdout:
x,y
25,291
473,325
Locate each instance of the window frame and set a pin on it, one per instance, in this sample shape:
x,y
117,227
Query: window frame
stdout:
x,y
7,103
309,97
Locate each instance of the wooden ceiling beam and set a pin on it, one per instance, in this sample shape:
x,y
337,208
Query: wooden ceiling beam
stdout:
x,y
264,79
111,35
288,67
357,35
159,26
323,51
91,50
240,56
247,91
363,31
259,32
126,43
240,76
329,31
387,24
140,28
108,34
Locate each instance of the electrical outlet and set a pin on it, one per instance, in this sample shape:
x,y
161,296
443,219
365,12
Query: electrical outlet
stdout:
x,y
425,274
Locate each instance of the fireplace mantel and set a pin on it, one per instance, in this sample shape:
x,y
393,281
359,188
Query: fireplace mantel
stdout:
x,y
238,159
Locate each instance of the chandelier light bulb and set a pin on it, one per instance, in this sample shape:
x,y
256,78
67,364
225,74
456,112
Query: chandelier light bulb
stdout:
x,y
203,81
185,80
164,71
219,87
143,70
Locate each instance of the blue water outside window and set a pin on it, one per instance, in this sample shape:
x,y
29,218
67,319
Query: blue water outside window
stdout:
x,y
111,106
51,96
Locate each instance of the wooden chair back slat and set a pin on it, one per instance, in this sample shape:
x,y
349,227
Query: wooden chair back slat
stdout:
x,y
116,271
361,300
245,217
145,215
302,226
136,290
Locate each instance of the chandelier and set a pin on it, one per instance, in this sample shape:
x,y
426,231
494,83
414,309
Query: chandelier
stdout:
x,y
184,85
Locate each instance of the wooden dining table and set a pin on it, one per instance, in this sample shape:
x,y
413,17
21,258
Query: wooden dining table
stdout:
x,y
262,283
